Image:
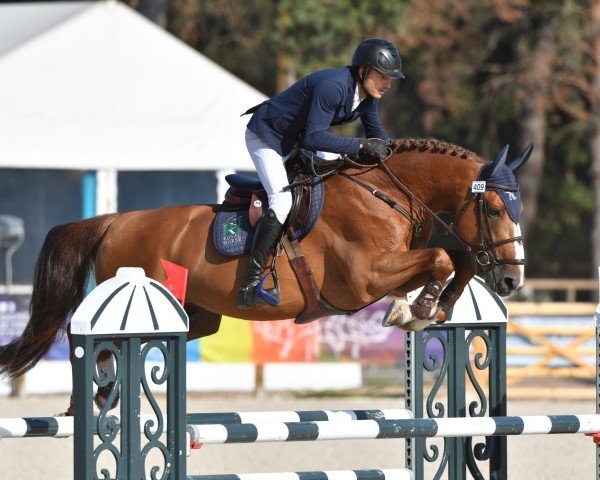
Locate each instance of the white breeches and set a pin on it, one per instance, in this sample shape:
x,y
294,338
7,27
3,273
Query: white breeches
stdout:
x,y
271,172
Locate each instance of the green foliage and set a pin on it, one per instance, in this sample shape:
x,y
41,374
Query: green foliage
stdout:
x,y
559,245
317,34
236,34
470,70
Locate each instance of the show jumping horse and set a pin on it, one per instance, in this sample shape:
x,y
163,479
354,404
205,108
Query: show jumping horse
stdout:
x,y
359,251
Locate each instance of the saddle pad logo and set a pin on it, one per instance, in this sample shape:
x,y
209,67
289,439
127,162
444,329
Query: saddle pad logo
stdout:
x,y
233,233
233,227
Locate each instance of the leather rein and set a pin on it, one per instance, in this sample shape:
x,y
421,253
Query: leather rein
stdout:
x,y
486,254
316,305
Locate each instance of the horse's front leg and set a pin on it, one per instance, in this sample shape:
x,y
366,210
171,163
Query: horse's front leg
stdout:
x,y
465,268
411,269
420,314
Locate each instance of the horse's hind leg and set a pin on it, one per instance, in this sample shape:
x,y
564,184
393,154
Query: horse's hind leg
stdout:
x,y
202,324
106,371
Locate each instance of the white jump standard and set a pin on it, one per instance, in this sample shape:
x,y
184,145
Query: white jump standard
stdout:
x,y
158,319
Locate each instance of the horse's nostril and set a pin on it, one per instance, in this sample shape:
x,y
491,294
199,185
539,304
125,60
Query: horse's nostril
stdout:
x,y
510,283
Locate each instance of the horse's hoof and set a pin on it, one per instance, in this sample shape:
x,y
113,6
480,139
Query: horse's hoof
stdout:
x,y
64,414
102,395
418,324
415,325
398,313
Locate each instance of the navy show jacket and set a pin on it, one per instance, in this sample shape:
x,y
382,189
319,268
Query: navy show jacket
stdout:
x,y
303,113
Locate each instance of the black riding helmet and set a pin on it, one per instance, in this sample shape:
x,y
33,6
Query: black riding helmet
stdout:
x,y
379,54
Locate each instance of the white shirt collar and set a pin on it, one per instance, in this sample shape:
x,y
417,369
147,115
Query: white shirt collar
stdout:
x,y
356,100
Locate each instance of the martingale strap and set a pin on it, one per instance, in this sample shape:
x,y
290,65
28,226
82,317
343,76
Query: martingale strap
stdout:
x,y
418,227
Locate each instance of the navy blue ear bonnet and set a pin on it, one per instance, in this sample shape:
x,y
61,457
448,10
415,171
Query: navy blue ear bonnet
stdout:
x,y
506,177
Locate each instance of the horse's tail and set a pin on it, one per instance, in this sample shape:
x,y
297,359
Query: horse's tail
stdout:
x,y
60,282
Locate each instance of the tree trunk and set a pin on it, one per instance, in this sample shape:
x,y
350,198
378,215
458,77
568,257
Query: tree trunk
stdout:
x,y
285,70
533,123
595,130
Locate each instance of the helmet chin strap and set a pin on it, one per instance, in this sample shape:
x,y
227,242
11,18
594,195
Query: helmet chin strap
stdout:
x,y
361,80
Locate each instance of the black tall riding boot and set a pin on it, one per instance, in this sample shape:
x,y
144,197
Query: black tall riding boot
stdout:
x,y
266,236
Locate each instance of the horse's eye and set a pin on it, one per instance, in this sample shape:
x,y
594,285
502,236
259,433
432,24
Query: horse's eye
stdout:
x,y
494,212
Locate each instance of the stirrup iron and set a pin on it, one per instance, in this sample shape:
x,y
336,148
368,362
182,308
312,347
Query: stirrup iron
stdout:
x,y
270,295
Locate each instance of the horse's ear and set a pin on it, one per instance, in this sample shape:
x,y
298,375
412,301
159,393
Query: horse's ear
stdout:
x,y
521,158
499,162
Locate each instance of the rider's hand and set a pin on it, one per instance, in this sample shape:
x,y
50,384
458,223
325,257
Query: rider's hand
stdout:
x,y
372,150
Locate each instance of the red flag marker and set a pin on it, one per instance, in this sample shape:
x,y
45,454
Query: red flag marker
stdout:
x,y
595,437
176,280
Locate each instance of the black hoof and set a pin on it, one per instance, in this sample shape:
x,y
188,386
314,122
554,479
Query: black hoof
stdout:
x,y
102,395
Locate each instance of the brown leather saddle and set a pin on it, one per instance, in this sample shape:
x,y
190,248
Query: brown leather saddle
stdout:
x,y
306,173
247,193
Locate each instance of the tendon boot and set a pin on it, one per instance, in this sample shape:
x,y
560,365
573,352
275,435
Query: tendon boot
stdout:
x,y
251,294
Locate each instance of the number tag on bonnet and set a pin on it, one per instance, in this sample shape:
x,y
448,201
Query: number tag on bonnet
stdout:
x,y
478,186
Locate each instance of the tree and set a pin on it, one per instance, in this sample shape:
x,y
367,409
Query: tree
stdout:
x,y
495,71
480,73
595,124
236,34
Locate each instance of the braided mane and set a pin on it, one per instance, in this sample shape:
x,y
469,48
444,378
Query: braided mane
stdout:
x,y
432,145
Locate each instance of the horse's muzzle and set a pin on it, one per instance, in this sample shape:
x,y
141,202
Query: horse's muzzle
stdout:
x,y
502,281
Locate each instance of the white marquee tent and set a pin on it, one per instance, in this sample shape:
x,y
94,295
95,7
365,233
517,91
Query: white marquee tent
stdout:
x,y
96,86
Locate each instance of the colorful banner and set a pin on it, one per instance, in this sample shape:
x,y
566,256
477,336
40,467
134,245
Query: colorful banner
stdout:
x,y
283,341
14,315
359,337
231,344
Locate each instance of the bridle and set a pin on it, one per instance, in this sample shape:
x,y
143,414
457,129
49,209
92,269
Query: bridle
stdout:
x,y
486,253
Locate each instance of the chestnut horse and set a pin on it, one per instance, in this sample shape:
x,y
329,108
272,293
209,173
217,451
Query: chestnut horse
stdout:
x,y
359,251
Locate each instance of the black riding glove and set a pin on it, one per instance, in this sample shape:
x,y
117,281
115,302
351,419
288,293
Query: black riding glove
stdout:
x,y
373,150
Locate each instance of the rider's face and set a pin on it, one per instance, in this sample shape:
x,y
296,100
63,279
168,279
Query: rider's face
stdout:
x,y
376,84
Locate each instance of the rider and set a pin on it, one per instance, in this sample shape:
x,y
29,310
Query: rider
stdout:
x,y
302,114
